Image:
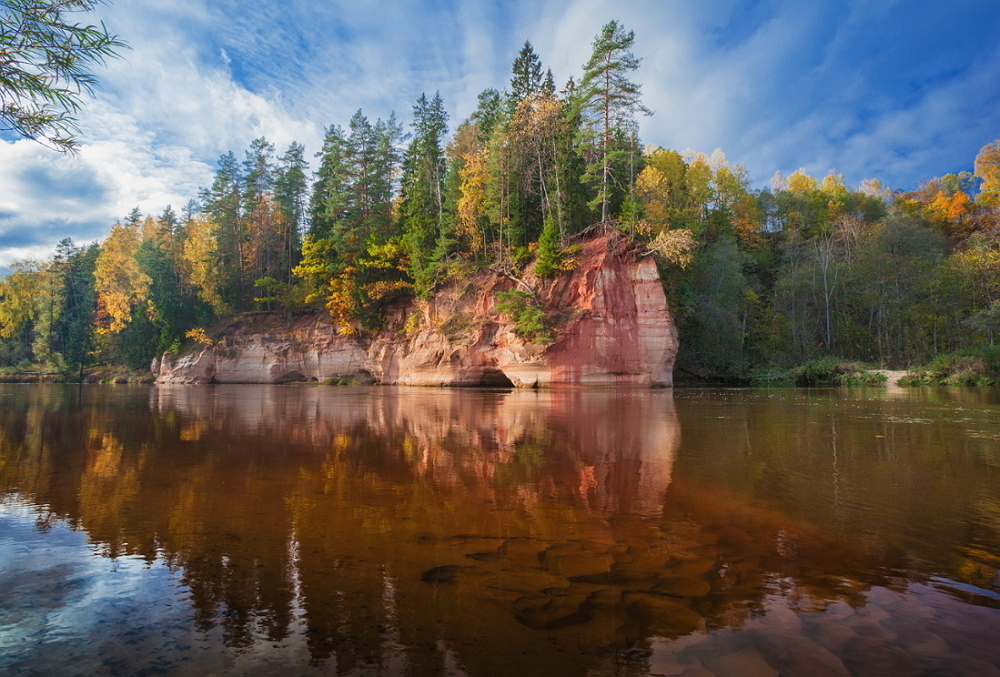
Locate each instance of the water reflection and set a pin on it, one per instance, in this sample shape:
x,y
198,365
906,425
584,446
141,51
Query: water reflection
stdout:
x,y
397,531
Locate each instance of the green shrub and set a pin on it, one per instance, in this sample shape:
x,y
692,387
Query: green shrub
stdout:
x,y
549,252
528,317
822,372
862,378
966,367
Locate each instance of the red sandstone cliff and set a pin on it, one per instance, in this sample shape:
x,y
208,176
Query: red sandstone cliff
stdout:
x,y
610,320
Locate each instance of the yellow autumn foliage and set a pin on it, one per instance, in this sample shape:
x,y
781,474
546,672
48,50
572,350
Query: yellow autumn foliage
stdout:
x,y
472,204
198,334
120,284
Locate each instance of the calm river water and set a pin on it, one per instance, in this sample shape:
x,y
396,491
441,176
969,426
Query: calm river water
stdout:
x,y
258,530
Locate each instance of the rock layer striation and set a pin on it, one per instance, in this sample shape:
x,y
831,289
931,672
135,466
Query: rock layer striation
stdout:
x,y
609,318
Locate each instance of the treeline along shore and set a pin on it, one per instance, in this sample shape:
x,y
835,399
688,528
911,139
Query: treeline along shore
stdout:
x,y
807,280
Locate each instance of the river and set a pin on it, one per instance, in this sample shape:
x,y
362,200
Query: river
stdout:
x,y
272,530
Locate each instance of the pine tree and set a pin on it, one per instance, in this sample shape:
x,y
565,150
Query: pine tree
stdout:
x,y
489,115
608,100
168,220
134,217
223,204
548,249
352,232
423,188
388,135
549,84
349,258
190,209
258,172
329,200
262,219
290,188
571,165
527,74
75,265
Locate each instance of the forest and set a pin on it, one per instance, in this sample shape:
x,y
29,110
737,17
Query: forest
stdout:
x,y
759,279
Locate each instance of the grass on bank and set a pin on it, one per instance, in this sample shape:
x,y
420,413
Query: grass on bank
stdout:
x,y
825,371
42,374
975,367
967,367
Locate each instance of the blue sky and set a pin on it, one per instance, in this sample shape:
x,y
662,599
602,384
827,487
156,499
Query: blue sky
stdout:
x,y
899,91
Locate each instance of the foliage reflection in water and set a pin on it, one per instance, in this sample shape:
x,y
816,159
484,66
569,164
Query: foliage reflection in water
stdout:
x,y
271,530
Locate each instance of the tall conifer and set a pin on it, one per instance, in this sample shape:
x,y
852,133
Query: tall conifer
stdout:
x,y
527,73
423,187
608,100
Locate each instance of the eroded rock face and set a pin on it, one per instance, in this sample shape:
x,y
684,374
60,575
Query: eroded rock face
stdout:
x,y
610,318
266,348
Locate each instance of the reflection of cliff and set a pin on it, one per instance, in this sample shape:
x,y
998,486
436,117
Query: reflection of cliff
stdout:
x,y
611,451
415,528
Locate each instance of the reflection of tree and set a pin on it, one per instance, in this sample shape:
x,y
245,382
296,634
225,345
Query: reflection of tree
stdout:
x,y
109,485
417,528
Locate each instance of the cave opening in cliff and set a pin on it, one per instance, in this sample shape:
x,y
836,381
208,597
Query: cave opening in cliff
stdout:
x,y
495,378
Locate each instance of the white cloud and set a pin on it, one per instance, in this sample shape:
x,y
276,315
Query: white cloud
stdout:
x,y
48,196
784,84
778,84
149,138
